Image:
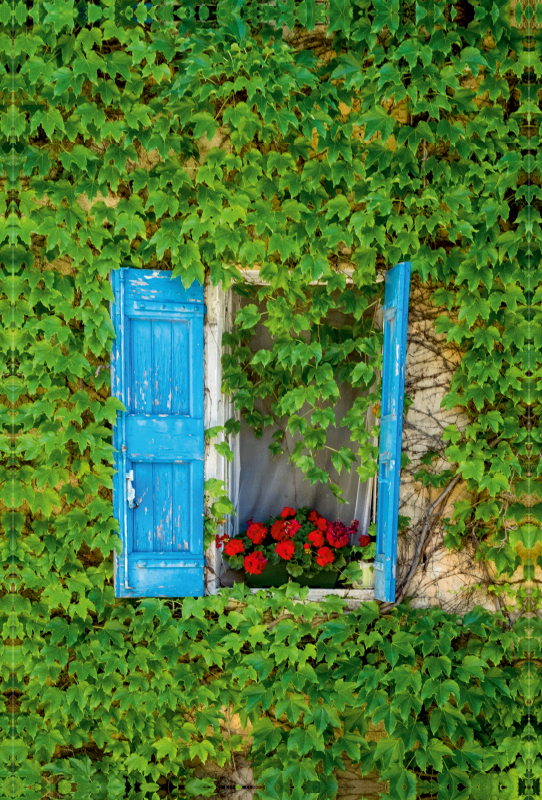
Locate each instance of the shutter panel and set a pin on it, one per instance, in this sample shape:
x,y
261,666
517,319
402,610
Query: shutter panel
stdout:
x,y
157,373
395,313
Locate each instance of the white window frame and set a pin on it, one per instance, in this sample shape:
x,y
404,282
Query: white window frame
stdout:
x,y
218,408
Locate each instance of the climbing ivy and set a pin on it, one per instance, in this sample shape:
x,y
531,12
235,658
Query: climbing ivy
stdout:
x,y
302,138
129,707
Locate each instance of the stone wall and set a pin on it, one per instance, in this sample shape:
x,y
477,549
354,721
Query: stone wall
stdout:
x,y
239,772
450,579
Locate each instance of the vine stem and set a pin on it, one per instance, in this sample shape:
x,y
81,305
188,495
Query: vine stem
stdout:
x,y
421,543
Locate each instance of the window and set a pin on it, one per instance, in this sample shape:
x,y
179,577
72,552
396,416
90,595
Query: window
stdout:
x,y
157,371
262,483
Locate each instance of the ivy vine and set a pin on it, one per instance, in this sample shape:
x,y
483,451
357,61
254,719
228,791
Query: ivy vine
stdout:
x,y
300,138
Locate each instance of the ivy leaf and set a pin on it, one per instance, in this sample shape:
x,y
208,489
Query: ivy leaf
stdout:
x,y
133,224
377,121
59,15
49,119
292,706
495,482
37,158
323,716
338,206
305,740
340,16
46,742
473,59
441,690
166,747
205,124
387,715
267,735
202,750
202,787
433,755
344,457
474,469
386,14
389,749
351,68
400,645
167,237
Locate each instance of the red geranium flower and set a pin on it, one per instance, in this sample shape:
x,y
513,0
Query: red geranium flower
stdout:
x,y
257,532
317,538
337,539
314,516
219,539
307,546
233,547
292,527
364,540
278,530
324,556
337,534
322,524
287,512
285,550
255,562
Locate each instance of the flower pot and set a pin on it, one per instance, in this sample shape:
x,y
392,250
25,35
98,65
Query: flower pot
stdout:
x,y
368,579
273,575
325,580
277,575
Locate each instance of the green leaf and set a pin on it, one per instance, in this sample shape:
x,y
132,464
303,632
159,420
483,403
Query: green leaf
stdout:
x,y
386,14
389,749
205,125
305,740
223,449
202,750
377,121
473,58
292,706
323,717
165,747
400,645
202,787
432,755
343,458
266,735
340,16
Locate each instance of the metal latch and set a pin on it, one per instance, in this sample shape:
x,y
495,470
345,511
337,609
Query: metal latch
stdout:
x,y
130,491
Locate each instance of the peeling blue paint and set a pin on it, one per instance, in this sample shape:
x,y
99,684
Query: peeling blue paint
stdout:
x,y
391,428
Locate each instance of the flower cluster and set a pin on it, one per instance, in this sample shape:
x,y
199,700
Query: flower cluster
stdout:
x,y
255,562
304,540
233,547
282,529
219,540
338,535
257,533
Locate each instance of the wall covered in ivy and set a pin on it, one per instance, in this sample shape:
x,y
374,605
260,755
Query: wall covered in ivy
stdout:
x,y
354,132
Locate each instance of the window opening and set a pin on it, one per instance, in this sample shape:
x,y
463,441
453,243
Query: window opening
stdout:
x,y
262,483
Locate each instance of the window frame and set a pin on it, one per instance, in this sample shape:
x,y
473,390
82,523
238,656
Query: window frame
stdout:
x,y
218,408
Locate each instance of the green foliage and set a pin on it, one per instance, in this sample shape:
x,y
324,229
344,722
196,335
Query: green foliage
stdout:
x,y
452,693
417,139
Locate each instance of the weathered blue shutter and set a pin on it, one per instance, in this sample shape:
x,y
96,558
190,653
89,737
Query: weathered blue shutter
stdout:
x,y
157,373
391,428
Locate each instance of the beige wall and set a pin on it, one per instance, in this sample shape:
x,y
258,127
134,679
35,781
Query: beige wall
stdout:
x,y
443,578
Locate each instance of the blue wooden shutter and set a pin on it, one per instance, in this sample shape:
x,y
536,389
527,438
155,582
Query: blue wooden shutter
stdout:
x,y
391,428
157,373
